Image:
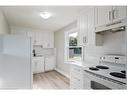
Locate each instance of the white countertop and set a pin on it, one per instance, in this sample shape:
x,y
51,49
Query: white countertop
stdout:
x,y
81,63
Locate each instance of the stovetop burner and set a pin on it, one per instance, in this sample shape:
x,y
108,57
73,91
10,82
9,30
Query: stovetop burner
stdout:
x,y
93,68
117,74
102,67
123,71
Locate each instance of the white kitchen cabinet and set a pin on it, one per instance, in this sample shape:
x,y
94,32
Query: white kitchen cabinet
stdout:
x,y
48,39
119,13
76,77
42,38
109,14
45,39
49,63
86,35
36,38
39,38
82,26
38,64
103,15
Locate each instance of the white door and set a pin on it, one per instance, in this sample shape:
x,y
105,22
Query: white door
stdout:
x,y
119,13
49,63
103,15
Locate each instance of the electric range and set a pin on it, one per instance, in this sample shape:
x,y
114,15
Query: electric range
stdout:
x,y
106,76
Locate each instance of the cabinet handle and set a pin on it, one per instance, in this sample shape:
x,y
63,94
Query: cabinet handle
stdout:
x,y
109,15
84,40
113,14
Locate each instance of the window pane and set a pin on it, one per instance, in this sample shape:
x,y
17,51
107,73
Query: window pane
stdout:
x,y
73,39
75,53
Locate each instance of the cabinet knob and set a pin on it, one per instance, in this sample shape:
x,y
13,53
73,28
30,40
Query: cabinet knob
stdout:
x,y
85,39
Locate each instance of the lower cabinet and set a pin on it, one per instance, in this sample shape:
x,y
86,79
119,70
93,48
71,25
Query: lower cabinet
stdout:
x,y
42,64
76,77
38,64
49,63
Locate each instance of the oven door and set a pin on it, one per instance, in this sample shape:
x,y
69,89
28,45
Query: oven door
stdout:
x,y
96,85
90,82
100,83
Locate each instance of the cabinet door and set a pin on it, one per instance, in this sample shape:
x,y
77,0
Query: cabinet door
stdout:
x,y
48,39
76,77
91,27
51,40
34,66
39,38
49,63
119,13
82,26
103,15
38,64
87,28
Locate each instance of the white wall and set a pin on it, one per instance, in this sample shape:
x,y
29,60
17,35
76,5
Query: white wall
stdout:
x,y
59,45
4,27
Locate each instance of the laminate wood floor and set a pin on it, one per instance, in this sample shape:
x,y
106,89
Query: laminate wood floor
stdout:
x,y
50,80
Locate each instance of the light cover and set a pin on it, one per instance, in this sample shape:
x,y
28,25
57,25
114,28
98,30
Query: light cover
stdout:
x,y
45,15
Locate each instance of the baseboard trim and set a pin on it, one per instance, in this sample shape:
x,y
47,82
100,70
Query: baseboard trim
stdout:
x,y
63,73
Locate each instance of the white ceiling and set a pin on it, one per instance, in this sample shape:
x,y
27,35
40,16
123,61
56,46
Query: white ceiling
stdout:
x,y
28,16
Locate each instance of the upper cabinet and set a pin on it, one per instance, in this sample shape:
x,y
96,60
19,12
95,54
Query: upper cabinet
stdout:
x,y
108,14
46,39
86,35
102,15
119,13
82,27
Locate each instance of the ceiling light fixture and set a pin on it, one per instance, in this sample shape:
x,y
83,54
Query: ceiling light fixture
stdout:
x,y
45,15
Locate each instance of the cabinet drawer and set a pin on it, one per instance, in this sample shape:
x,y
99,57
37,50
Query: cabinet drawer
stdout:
x,y
76,69
75,86
76,80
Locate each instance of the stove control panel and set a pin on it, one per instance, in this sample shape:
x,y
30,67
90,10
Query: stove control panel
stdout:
x,y
113,59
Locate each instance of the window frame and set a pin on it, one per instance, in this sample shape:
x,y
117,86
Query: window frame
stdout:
x,y
66,45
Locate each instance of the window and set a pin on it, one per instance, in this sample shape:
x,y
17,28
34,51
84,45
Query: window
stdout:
x,y
73,52
73,39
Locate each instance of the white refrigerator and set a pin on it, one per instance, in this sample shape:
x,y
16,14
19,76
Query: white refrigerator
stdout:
x,y
15,62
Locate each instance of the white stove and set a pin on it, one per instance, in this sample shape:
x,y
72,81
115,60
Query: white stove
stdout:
x,y
107,75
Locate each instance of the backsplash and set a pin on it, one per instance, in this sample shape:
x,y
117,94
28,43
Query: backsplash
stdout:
x,y
44,51
113,44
